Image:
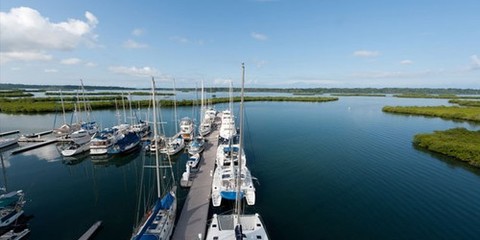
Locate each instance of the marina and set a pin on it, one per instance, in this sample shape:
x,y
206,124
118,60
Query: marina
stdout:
x,y
193,218
239,120
33,146
99,187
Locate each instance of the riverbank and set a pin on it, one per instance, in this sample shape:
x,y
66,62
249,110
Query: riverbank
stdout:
x,y
454,112
468,103
438,96
32,106
459,143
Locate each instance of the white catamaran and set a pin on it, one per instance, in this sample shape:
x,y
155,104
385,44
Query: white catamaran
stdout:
x,y
237,225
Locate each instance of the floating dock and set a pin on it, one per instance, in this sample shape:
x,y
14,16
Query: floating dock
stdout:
x,y
192,223
33,135
29,147
9,133
89,233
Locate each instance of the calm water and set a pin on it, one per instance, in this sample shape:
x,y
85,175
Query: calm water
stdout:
x,y
338,170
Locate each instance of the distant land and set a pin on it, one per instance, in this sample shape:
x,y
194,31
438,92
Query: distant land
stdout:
x,y
468,91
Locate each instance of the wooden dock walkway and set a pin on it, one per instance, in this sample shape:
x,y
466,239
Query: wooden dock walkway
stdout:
x,y
9,133
29,147
192,223
89,233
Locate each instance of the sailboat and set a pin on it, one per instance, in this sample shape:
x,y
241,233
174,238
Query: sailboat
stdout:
x,y
206,119
159,222
237,225
227,127
11,203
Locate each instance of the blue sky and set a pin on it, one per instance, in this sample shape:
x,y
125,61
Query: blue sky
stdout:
x,y
318,43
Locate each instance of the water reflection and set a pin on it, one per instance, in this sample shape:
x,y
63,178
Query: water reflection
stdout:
x,y
117,161
74,160
451,162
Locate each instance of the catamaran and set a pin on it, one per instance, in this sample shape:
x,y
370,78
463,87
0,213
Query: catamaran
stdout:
x,y
160,217
237,225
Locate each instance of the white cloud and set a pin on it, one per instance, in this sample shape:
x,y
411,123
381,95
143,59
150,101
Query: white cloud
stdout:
x,y
138,32
50,70
406,62
92,20
185,40
133,44
366,53
222,81
135,71
259,36
90,64
311,82
394,74
179,39
27,35
24,56
475,62
260,63
70,61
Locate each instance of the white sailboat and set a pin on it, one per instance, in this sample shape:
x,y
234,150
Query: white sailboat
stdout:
x,y
160,218
237,225
206,120
227,127
173,145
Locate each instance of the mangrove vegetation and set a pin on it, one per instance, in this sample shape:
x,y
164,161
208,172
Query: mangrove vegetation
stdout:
x,y
447,112
468,103
107,93
53,104
440,96
459,143
315,91
358,95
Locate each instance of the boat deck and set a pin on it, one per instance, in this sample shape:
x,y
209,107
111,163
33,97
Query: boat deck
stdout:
x,y
192,223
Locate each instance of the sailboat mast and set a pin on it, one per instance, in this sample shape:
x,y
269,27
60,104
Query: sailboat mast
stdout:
x,y
231,98
85,101
175,107
124,111
130,108
202,106
155,134
63,108
238,200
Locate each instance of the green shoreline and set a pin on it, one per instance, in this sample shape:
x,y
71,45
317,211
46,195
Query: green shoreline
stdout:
x,y
31,106
447,112
459,143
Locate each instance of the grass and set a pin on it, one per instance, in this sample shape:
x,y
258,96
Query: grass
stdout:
x,y
454,112
14,93
358,95
107,93
440,96
468,103
459,143
45,105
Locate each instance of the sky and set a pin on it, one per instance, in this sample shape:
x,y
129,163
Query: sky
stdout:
x,y
283,43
